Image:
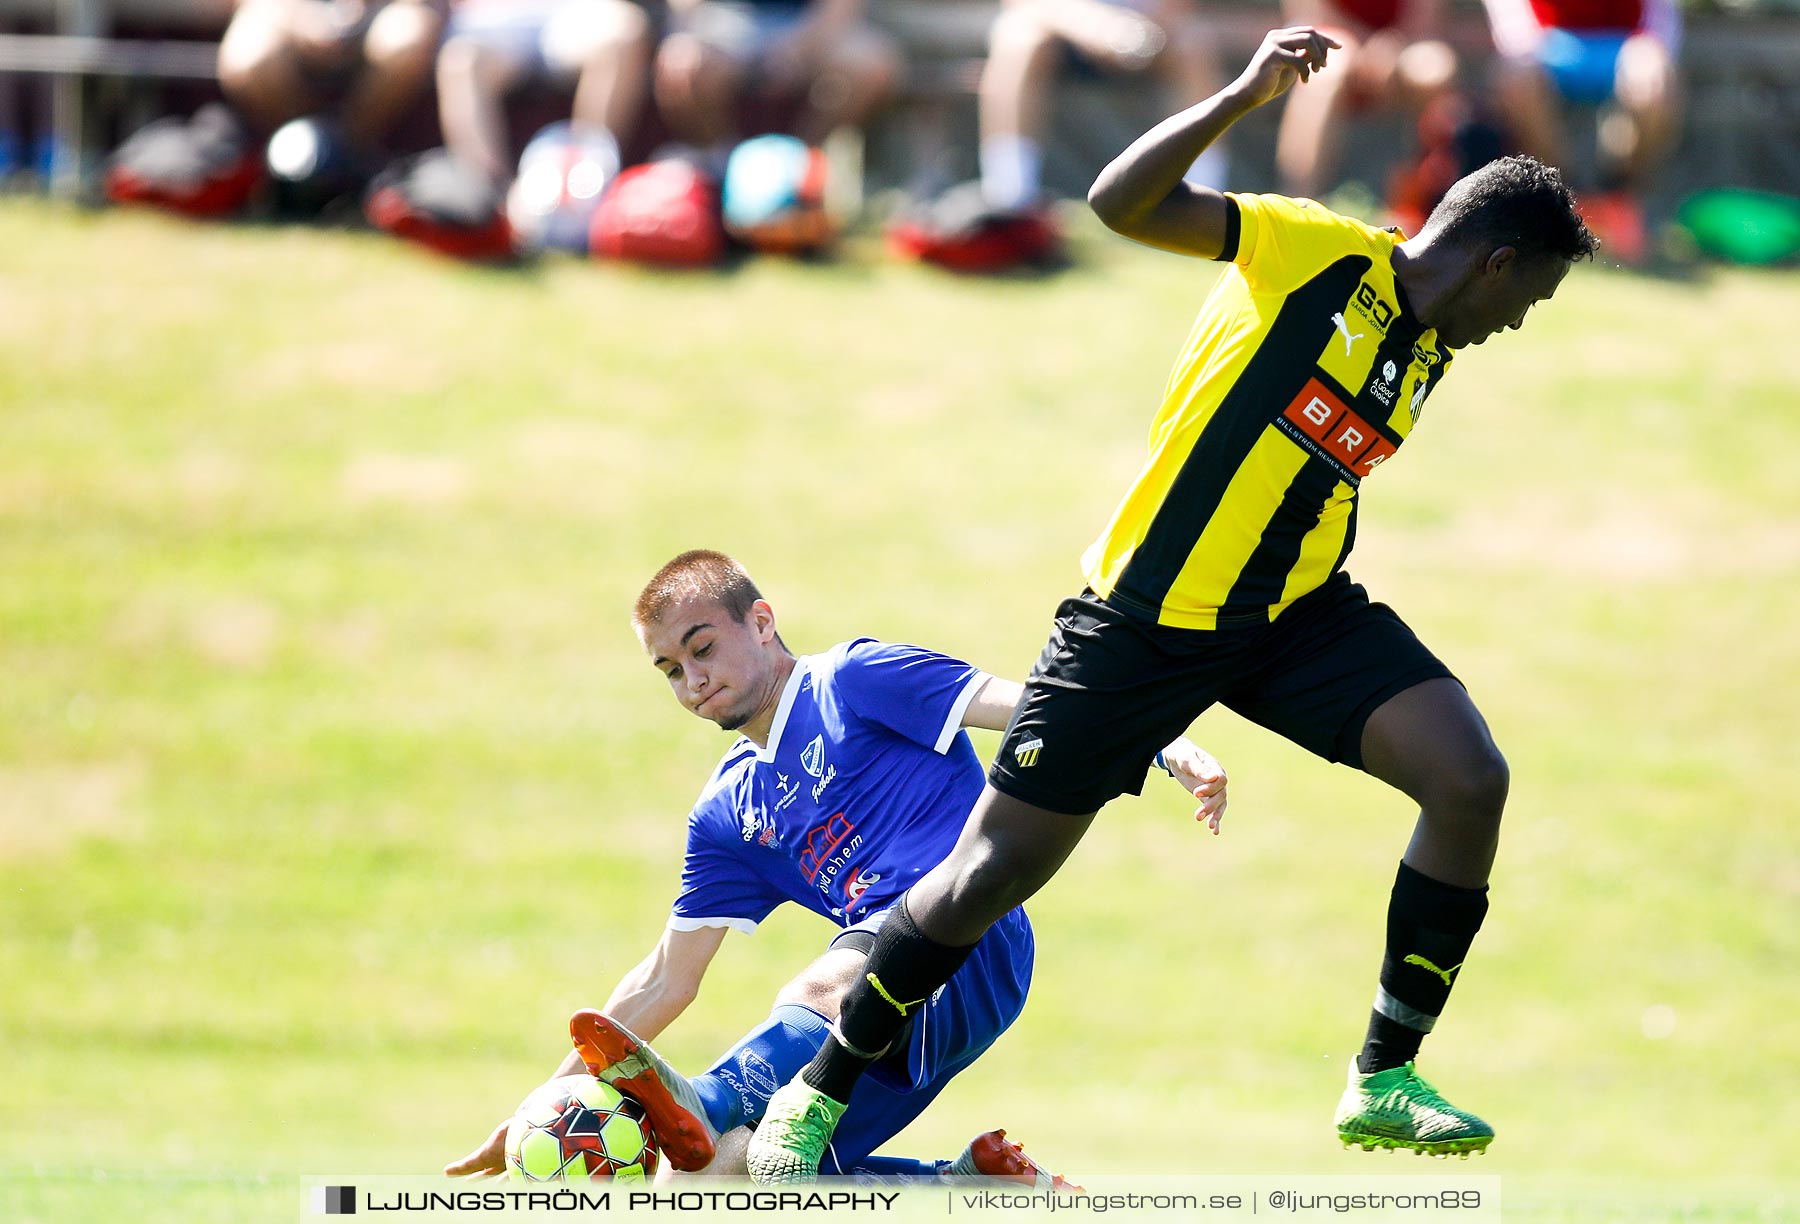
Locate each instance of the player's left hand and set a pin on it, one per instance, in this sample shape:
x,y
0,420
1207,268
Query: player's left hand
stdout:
x,y
1201,776
488,1160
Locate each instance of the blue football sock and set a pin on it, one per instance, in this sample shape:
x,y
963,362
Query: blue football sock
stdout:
x,y
896,1168
737,1088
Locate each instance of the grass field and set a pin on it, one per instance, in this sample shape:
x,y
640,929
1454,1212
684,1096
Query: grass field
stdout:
x,y
331,778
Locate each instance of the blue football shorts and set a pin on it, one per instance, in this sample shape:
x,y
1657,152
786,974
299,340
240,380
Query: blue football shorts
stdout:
x,y
951,1031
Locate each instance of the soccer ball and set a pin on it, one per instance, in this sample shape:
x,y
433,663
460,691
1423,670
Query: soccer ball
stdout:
x,y
578,1126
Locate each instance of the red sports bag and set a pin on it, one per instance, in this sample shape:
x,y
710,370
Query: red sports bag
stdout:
x,y
664,212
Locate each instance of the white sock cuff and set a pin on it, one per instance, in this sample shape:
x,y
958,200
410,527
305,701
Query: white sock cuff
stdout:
x,y
1011,170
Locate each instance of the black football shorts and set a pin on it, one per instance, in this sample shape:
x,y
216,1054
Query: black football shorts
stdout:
x,y
1110,690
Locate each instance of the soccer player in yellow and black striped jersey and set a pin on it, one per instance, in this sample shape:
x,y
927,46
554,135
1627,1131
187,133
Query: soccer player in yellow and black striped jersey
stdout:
x,y
1304,373
1219,579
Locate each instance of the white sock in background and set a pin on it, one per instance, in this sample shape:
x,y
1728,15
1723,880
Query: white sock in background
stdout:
x,y
1011,170
1210,169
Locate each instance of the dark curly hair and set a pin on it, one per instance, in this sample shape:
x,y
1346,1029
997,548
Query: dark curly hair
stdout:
x,y
1514,201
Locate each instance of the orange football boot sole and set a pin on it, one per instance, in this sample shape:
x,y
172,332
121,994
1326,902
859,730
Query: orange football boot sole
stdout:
x,y
997,1156
683,1138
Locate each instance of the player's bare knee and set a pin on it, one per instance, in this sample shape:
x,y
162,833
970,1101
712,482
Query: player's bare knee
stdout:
x,y
1471,787
678,63
1426,68
1645,77
822,984
403,34
728,1161
604,35
998,879
1019,34
252,43
463,63
875,66
624,26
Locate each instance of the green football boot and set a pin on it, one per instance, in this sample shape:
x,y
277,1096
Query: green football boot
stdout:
x,y
789,1142
1397,1108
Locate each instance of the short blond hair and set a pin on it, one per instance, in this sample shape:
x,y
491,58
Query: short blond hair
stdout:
x,y
699,572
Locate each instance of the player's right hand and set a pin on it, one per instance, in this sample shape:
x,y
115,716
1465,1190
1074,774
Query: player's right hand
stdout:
x,y
488,1160
1284,57
1201,775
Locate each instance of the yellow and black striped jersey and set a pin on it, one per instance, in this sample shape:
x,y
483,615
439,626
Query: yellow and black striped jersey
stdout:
x,y
1305,370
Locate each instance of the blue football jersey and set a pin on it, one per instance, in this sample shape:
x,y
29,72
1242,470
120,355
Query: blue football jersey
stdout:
x,y
864,786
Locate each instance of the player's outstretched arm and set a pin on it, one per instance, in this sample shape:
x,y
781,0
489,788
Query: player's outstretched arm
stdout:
x,y
992,706
649,998
1201,775
1141,194
646,1001
1191,765
487,1160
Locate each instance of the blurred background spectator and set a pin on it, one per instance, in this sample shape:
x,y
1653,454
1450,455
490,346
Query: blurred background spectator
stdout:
x,y
1619,55
1023,97
602,48
367,62
1393,54
1166,41
729,67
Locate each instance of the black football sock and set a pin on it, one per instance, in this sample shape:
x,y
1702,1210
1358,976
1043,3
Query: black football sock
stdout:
x,y
904,969
1388,1044
1429,929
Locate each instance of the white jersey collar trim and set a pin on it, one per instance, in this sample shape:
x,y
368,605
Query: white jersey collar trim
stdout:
x,y
953,722
802,668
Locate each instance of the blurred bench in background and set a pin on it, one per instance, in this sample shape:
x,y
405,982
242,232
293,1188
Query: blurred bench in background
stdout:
x,y
89,47
1742,71
114,64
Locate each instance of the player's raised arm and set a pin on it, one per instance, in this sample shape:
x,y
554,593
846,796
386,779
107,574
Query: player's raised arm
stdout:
x,y
1141,193
647,1000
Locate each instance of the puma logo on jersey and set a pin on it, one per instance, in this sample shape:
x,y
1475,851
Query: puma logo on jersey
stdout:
x,y
1026,754
1344,330
1413,958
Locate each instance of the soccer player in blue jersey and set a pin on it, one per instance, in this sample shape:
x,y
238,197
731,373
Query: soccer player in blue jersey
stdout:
x,y
851,778
1220,580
